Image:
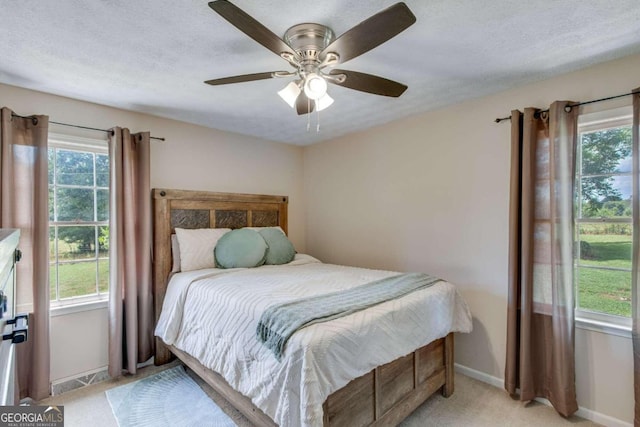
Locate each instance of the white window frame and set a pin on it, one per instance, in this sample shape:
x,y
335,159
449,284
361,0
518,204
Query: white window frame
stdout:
x,y
85,144
584,319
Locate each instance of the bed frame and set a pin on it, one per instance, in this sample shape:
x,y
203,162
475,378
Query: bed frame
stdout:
x,y
382,397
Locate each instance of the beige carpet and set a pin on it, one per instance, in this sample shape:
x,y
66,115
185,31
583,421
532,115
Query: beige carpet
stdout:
x,y
473,404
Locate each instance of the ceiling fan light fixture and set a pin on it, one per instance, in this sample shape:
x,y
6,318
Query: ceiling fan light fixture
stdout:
x,y
290,93
315,87
323,102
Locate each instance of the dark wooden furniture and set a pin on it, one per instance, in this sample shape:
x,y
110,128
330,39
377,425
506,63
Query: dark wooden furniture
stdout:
x,y
382,397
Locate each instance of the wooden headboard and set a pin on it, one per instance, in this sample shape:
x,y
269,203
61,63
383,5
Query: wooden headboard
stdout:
x,y
203,209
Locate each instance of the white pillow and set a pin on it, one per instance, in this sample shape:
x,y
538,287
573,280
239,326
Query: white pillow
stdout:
x,y
197,245
262,228
175,254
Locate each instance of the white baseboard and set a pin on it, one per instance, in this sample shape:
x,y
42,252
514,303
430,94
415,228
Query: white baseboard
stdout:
x,y
585,413
480,376
603,419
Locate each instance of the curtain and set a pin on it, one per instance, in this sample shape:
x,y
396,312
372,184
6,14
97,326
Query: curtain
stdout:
x,y
540,316
635,287
24,198
130,293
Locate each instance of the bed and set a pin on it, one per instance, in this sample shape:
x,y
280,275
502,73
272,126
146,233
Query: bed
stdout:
x,y
380,389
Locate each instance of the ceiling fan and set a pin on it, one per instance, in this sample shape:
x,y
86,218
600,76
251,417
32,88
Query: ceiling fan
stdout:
x,y
313,51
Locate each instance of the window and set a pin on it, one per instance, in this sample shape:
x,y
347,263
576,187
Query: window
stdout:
x,y
78,219
604,228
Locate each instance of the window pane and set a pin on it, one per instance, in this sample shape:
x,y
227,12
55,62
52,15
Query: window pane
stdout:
x,y
51,204
102,202
606,245
75,204
606,151
52,281
74,168
606,197
76,242
102,170
79,180
103,241
604,248
604,291
52,244
103,275
77,279
50,156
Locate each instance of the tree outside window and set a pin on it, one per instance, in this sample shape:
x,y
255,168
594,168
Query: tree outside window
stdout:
x,y
78,215
604,228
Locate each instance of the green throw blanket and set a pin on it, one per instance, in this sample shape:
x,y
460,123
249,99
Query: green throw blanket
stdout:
x,y
280,321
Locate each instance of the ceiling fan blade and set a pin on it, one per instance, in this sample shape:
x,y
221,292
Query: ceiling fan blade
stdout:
x,y
250,27
372,32
368,83
303,104
240,79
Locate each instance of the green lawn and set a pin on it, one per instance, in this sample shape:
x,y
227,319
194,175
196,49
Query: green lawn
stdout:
x,y
601,290
79,278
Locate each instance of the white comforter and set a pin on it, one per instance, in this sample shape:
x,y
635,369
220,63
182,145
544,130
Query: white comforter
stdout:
x,y
212,314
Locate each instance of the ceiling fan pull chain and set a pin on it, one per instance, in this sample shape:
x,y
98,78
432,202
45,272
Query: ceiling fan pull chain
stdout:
x,y
317,117
308,114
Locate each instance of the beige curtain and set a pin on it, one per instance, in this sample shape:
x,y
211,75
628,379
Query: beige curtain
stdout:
x,y
24,198
635,286
130,293
540,327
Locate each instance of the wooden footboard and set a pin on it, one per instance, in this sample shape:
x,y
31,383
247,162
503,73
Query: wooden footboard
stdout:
x,y
383,397
389,393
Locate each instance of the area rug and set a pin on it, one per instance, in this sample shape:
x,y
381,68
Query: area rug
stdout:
x,y
168,398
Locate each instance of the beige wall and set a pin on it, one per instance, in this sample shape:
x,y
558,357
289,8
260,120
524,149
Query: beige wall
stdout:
x,y
79,343
192,157
430,193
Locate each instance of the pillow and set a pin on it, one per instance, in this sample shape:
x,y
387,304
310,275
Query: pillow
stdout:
x,y
264,228
175,254
240,248
281,250
196,247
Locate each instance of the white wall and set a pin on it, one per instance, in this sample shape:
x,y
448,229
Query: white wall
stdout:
x,y
430,193
192,157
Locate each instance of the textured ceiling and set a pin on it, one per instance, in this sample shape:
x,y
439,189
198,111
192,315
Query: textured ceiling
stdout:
x,y
153,56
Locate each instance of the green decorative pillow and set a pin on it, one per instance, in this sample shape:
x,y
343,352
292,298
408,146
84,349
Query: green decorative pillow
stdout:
x,y
281,250
240,248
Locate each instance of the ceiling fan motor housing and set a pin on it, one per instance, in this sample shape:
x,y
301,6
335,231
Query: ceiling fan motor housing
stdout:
x,y
308,40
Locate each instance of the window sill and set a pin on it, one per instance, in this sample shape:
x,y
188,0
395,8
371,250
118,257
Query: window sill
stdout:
x,y
62,310
603,327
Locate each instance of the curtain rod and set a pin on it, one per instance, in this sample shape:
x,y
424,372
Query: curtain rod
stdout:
x,y
569,107
77,126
